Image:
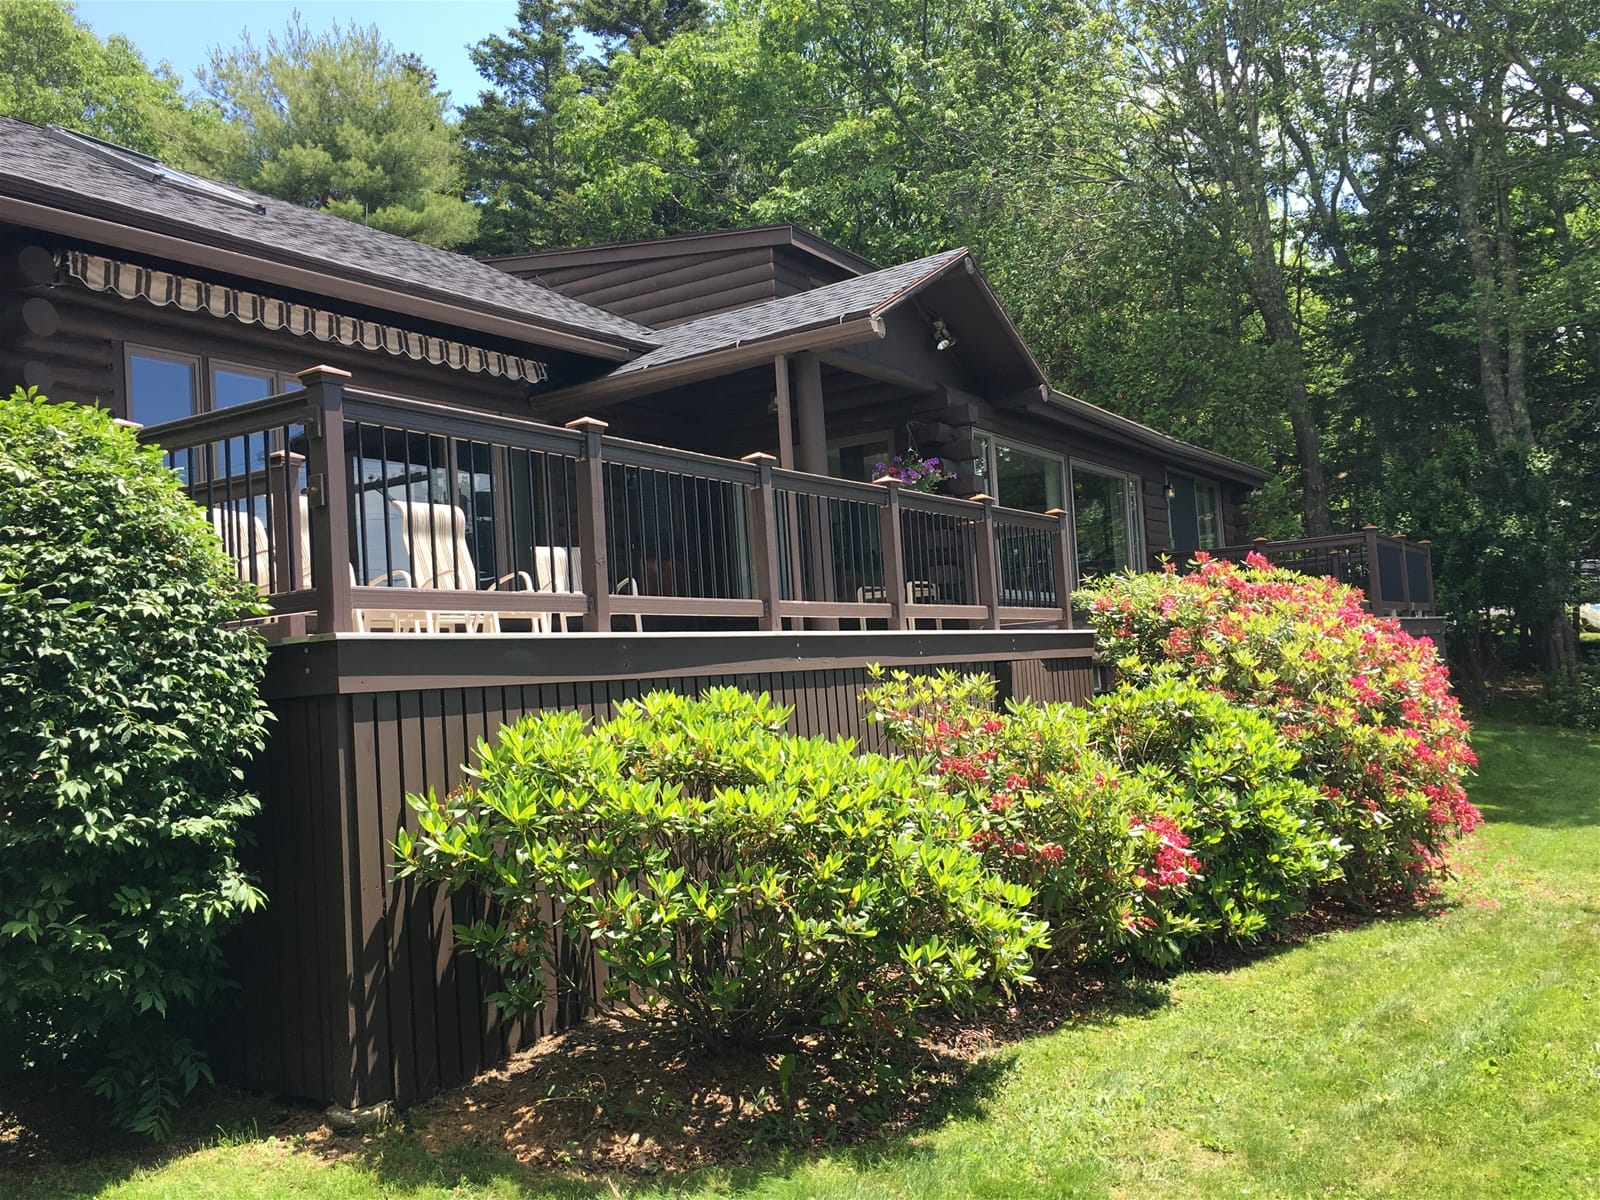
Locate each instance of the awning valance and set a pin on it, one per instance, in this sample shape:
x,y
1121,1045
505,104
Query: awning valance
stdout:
x,y
134,282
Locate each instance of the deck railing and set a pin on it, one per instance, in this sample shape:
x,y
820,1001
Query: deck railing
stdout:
x,y
354,510
1395,573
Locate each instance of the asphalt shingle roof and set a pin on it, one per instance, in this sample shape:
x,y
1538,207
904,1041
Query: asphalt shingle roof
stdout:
x,y
830,305
37,157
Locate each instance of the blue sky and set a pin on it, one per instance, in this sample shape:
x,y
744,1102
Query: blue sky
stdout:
x,y
183,31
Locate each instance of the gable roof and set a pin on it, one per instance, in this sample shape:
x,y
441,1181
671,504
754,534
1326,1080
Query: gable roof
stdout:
x,y
74,174
677,245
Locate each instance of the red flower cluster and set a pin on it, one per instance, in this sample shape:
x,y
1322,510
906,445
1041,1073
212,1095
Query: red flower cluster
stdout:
x,y
1368,707
1173,864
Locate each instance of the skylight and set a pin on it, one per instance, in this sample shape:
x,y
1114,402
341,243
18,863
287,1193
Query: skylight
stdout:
x,y
157,171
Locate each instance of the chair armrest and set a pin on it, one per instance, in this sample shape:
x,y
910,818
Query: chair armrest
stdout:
x,y
521,577
394,578
626,587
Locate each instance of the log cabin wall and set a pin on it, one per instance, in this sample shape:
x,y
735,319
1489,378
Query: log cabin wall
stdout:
x,y
351,991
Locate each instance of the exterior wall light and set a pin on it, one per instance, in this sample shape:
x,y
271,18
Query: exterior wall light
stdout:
x,y
943,338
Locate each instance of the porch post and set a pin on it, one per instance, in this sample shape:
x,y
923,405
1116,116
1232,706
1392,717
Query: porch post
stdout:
x,y
593,569
894,563
780,372
328,497
813,456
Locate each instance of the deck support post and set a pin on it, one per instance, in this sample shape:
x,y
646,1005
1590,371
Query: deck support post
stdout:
x,y
1063,562
593,570
894,563
764,540
328,497
988,562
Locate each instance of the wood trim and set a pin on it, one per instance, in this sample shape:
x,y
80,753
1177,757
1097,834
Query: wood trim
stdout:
x,y
375,662
610,389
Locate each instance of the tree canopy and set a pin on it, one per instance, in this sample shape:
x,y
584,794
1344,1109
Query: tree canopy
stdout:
x,y
342,122
55,71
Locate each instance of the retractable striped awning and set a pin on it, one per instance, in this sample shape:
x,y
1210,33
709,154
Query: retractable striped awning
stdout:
x,y
132,281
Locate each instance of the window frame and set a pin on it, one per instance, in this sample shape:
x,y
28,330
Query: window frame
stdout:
x,y
882,440
991,472
1133,510
204,367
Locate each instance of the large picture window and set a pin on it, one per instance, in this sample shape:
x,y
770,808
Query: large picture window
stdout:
x,y
167,385
1105,509
1019,476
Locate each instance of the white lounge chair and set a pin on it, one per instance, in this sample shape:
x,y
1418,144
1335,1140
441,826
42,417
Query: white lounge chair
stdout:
x,y
435,536
244,535
557,571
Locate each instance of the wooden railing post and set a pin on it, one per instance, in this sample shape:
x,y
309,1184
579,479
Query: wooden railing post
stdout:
x,y
764,540
594,570
1374,584
1426,546
1063,563
894,563
283,496
988,562
328,497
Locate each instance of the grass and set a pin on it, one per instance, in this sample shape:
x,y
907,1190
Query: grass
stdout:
x,y
1446,1055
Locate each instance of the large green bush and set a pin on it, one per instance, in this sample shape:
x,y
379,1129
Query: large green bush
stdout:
x,y
742,884
126,707
1226,777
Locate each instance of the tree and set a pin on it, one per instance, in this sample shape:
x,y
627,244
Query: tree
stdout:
x,y
514,164
128,702
340,122
54,70
634,24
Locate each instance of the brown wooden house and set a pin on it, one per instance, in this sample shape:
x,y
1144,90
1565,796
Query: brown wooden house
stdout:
x,y
603,470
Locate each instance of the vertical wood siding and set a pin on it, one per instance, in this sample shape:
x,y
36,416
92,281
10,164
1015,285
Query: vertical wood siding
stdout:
x,y
350,988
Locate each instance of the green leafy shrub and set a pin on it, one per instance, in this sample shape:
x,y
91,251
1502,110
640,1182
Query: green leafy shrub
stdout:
x,y
1368,707
125,710
1226,778
744,884
1093,842
1575,702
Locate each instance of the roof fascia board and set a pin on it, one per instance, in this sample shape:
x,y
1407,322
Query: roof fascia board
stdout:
x,y
107,231
1060,406
685,243
611,389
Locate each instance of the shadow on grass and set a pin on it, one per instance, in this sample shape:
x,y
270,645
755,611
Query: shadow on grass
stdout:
x,y
57,1139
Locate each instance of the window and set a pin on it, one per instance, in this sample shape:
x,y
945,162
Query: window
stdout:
x,y
164,385
1195,511
1105,509
1019,476
858,457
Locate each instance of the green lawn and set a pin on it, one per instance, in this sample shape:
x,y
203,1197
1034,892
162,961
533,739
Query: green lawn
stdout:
x,y
1455,1055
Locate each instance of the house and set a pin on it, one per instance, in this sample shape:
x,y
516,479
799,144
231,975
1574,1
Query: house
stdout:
x,y
606,469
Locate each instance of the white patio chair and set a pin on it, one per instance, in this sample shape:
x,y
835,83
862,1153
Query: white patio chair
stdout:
x,y
918,591
365,620
244,536
435,536
556,570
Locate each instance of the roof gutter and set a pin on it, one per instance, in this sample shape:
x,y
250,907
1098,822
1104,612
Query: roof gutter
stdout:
x,y
612,389
137,240
1125,427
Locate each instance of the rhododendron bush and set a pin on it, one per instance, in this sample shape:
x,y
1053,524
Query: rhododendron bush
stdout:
x,y
1106,865
1368,708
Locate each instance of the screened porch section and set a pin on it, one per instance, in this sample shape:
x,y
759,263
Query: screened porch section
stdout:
x,y
355,511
